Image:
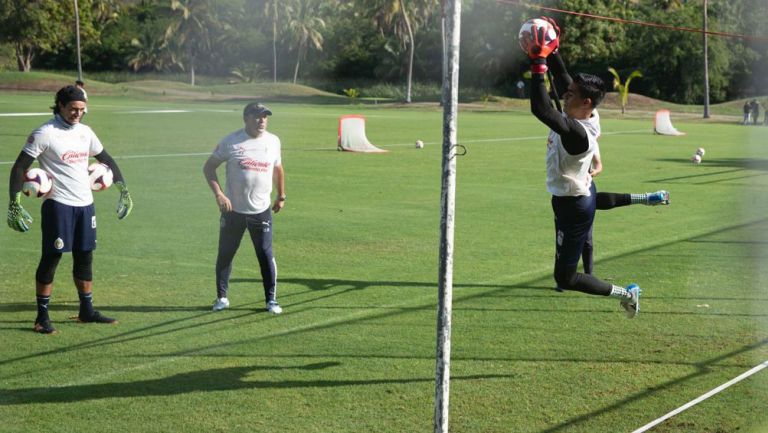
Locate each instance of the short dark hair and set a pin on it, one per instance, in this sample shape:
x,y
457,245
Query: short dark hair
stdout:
x,y
590,86
65,95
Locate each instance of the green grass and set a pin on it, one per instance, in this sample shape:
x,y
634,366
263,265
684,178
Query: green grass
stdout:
x,y
357,248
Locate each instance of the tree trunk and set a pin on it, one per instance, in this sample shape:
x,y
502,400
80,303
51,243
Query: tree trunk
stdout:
x,y
411,50
191,68
274,41
24,58
298,62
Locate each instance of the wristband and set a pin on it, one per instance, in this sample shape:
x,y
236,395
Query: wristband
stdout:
x,y
539,65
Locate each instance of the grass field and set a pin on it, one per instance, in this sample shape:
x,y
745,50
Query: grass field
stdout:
x,y
357,248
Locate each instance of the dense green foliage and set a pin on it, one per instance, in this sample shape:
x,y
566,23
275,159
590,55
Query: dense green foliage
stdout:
x,y
357,250
343,41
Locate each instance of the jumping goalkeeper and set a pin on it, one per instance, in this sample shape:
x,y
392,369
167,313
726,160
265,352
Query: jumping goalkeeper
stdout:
x,y
571,147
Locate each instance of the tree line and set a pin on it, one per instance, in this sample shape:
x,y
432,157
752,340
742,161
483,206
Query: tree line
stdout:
x,y
393,41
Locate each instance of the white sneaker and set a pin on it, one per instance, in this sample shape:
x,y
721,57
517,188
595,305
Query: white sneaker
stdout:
x,y
632,305
274,308
220,304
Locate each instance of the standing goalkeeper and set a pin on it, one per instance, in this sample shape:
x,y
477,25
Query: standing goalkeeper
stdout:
x,y
62,146
571,146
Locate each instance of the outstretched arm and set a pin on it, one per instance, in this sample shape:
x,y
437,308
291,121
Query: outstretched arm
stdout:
x,y
573,134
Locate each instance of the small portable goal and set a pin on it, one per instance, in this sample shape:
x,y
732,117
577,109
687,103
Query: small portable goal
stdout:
x,y
662,124
352,135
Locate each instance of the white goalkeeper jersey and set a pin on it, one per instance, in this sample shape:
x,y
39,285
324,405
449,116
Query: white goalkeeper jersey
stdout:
x,y
568,175
63,151
250,164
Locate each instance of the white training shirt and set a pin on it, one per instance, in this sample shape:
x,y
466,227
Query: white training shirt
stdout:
x,y
568,175
250,164
63,151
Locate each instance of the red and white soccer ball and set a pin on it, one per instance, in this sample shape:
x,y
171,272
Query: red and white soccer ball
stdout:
x,y
524,36
37,183
100,176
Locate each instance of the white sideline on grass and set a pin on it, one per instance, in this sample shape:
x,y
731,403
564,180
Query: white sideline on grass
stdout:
x,y
701,398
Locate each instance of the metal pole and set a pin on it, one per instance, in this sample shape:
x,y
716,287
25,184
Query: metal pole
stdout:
x,y
706,64
77,38
447,206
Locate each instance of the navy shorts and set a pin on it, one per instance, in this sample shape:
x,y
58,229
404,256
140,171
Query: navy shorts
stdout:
x,y
67,228
574,217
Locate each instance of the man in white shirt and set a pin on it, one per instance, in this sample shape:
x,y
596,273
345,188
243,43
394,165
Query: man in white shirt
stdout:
x,y
62,147
253,163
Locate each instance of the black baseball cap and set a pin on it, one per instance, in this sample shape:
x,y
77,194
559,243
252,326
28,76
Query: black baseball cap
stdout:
x,y
257,109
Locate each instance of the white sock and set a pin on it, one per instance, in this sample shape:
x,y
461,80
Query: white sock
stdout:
x,y
638,198
619,292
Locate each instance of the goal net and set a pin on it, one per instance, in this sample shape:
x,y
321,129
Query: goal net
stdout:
x,y
662,124
352,135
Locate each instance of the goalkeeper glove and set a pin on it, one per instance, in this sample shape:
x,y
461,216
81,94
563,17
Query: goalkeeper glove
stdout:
x,y
125,202
18,218
538,48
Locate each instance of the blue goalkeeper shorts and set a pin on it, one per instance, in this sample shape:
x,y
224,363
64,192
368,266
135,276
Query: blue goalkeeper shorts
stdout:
x,y
67,228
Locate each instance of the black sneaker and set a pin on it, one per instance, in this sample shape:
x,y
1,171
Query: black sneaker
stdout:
x,y
45,327
96,317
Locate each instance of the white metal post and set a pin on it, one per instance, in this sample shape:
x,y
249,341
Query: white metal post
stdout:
x,y
447,207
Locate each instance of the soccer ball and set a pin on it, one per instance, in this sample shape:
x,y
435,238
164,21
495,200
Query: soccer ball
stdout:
x,y
37,183
100,176
524,36
696,159
700,151
419,144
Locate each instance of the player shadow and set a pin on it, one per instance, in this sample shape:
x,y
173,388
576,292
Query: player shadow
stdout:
x,y
217,379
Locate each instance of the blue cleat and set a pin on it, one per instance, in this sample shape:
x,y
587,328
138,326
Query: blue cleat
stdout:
x,y
658,197
632,305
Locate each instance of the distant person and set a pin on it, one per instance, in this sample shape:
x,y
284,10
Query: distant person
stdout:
x,y
253,161
747,113
80,85
62,146
520,89
755,111
571,146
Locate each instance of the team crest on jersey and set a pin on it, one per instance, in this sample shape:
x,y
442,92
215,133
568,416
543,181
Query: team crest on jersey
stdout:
x,y
58,244
30,139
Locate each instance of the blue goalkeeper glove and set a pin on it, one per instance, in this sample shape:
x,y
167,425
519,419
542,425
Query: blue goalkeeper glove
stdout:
x,y
125,202
18,218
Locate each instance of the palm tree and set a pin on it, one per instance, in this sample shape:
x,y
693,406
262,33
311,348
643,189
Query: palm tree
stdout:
x,y
304,29
268,13
623,88
395,15
191,28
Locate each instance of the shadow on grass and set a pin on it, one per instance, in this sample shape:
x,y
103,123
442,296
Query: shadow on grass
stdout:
x,y
236,378
743,166
217,379
703,368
